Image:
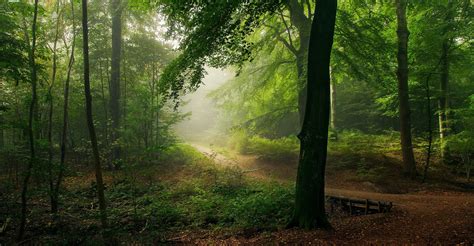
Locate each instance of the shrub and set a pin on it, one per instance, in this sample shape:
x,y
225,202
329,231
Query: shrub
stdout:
x,y
239,141
275,149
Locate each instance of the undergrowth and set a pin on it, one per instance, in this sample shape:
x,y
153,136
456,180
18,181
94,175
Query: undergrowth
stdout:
x,y
181,190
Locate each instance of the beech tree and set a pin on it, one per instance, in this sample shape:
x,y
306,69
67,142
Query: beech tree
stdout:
x,y
403,95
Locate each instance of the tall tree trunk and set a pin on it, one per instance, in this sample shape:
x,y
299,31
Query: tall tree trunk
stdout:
x,y
90,121
31,125
2,134
303,25
116,9
429,128
332,123
443,102
55,193
104,101
50,114
443,98
310,200
302,87
403,96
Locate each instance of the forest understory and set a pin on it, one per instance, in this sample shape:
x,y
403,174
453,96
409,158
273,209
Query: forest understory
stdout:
x,y
203,196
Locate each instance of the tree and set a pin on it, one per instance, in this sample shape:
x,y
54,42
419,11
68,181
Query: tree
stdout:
x,y
443,101
50,113
303,25
90,120
56,186
403,95
310,198
31,122
213,23
116,8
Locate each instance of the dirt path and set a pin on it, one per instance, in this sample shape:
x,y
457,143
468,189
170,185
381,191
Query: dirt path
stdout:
x,y
424,217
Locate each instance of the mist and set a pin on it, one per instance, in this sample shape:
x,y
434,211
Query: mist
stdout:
x,y
203,119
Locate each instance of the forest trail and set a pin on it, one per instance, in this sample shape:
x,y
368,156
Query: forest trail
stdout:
x,y
424,216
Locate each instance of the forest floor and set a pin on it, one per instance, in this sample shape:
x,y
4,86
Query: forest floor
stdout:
x,y
430,213
181,197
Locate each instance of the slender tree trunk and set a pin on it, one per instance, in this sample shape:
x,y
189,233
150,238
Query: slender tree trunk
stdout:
x,y
55,194
303,25
2,134
443,103
104,100
152,103
116,9
90,121
429,130
31,126
403,95
332,124
50,115
310,199
303,91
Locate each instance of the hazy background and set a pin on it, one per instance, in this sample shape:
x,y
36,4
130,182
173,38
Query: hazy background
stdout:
x,y
202,122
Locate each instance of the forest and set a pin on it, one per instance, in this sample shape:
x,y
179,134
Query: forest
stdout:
x,y
236,122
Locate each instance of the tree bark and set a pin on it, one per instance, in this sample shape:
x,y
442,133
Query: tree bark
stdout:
x,y
116,9
31,125
403,95
90,121
310,199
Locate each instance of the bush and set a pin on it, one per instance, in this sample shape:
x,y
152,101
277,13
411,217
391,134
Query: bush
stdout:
x,y
274,149
239,141
356,142
270,149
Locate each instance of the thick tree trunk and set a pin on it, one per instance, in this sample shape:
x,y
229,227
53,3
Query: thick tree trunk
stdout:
x,y
403,96
116,9
31,125
55,193
90,121
310,200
